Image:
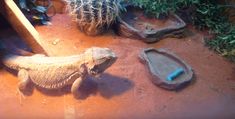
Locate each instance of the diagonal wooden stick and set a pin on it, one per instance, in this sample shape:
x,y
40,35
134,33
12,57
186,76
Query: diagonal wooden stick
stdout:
x,y
22,26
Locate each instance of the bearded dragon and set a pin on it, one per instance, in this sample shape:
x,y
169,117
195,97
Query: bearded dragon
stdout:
x,y
57,72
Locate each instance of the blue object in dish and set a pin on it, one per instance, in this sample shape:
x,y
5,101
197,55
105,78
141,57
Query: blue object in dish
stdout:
x,y
175,74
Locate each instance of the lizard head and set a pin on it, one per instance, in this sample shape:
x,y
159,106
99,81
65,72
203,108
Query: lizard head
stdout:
x,y
99,59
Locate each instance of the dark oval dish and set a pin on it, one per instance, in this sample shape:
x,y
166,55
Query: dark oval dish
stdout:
x,y
134,24
161,63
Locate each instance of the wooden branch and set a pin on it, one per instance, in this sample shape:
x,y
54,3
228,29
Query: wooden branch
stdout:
x,y
22,26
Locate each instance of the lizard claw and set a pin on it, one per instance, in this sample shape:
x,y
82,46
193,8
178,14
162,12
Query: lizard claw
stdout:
x,y
20,94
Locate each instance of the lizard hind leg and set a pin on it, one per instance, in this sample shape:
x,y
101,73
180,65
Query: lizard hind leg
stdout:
x,y
23,75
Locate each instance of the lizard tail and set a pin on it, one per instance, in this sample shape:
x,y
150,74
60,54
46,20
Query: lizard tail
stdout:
x,y
10,61
7,47
6,54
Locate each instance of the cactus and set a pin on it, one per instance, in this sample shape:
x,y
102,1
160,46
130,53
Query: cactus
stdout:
x,y
94,16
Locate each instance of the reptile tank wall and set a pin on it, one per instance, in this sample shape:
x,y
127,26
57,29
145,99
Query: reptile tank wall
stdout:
x,y
126,88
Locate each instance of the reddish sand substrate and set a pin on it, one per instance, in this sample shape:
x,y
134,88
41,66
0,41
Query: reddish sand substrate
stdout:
x,y
124,90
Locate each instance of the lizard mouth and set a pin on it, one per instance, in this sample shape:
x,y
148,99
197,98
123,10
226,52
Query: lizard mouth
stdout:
x,y
94,72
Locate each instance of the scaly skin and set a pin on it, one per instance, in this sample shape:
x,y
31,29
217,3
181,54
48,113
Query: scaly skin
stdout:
x,y
93,16
57,72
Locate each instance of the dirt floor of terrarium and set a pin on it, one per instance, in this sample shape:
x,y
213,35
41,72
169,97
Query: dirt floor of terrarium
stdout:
x,y
124,90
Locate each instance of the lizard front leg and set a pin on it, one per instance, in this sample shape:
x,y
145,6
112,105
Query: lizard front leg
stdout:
x,y
23,75
77,83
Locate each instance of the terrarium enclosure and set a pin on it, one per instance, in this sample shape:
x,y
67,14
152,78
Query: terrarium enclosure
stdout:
x,y
118,59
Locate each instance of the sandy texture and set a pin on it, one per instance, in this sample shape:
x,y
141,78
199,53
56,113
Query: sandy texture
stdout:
x,y
124,90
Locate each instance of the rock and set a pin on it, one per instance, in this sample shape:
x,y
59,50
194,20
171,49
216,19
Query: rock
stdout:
x,y
134,24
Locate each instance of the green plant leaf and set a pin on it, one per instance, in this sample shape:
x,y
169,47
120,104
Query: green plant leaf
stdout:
x,y
22,4
40,9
